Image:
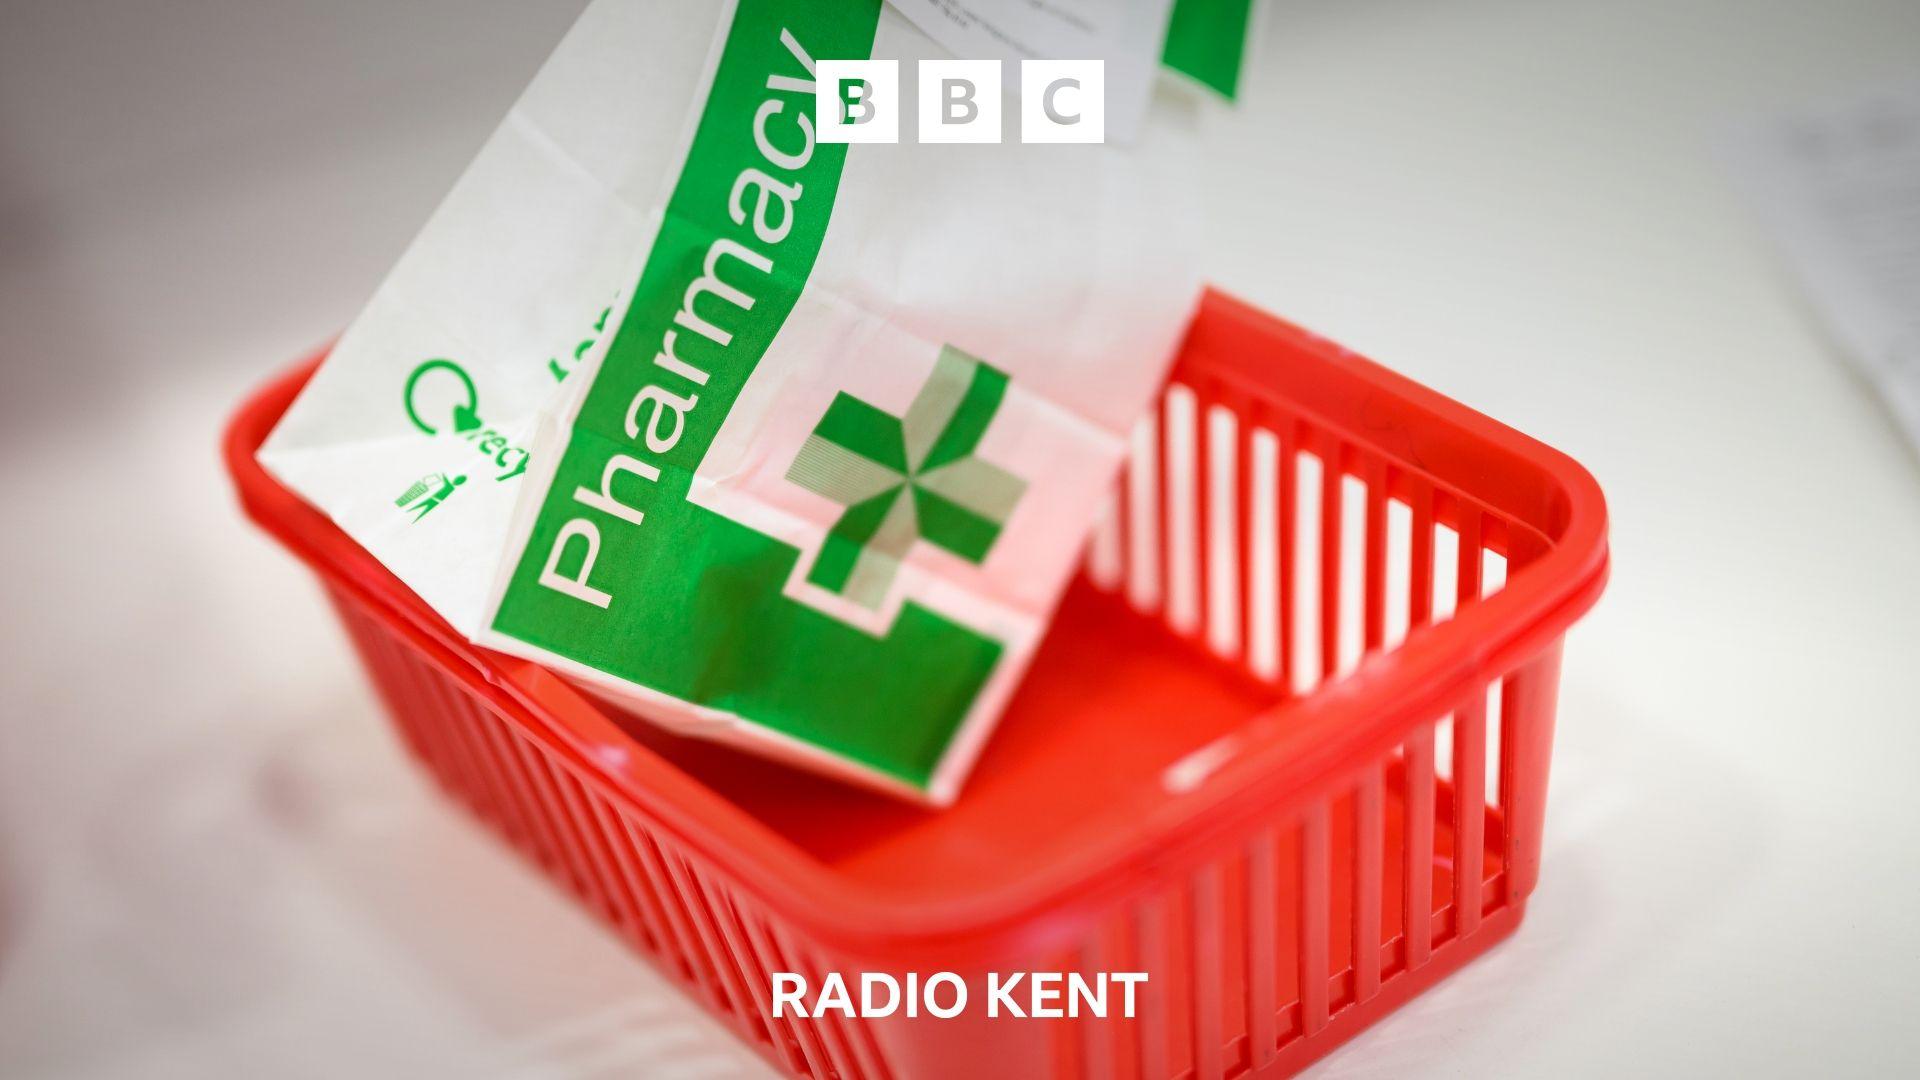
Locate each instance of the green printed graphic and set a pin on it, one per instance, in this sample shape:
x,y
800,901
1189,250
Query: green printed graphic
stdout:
x,y
559,370
908,478
1207,40
428,492
463,416
620,571
463,420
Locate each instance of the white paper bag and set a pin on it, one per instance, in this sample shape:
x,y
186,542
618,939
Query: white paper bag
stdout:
x,y
775,441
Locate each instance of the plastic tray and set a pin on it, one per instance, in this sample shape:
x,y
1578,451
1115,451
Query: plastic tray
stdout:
x,y
1285,748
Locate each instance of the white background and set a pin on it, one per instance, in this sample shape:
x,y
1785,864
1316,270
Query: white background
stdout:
x,y
214,862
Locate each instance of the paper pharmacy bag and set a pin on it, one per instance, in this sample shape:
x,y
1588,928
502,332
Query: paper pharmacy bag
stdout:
x,y
771,440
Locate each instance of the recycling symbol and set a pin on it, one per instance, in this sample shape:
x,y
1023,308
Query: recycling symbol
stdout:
x,y
465,412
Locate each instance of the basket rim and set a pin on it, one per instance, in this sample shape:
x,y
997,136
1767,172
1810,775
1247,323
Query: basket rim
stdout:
x,y
1279,767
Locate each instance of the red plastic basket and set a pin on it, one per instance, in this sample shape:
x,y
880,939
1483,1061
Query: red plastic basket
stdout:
x,y
1230,766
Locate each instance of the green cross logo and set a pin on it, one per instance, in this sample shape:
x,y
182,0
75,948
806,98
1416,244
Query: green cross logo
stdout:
x,y
907,478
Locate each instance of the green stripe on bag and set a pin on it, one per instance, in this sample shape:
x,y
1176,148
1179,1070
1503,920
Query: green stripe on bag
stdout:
x,y
623,574
1207,40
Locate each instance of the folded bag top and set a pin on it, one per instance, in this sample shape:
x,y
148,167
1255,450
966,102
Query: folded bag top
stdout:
x,y
776,441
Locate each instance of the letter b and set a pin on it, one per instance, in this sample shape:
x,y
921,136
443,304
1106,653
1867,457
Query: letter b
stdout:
x,y
857,96
857,101
959,101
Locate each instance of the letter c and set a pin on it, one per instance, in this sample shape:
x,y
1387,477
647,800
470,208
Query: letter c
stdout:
x,y
1046,102
790,162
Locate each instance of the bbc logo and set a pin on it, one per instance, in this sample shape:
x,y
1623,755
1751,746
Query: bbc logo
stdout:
x,y
1061,101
